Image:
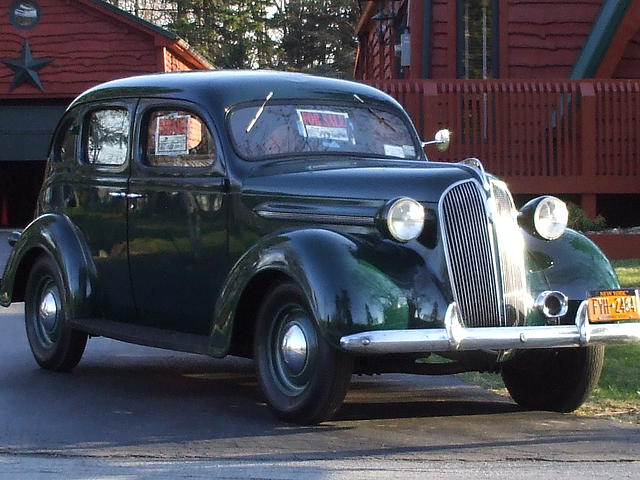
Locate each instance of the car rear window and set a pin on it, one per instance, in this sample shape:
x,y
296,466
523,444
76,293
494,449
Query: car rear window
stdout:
x,y
291,129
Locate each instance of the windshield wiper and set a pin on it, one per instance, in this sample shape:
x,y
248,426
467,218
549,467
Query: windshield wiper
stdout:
x,y
380,119
258,113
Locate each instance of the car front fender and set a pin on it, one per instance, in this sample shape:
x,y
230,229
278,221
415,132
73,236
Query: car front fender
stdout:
x,y
56,236
352,283
571,264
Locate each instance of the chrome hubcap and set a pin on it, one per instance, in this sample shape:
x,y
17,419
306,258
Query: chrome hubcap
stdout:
x,y
48,309
293,349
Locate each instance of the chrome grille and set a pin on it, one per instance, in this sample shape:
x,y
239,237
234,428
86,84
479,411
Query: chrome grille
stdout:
x,y
490,292
470,255
511,254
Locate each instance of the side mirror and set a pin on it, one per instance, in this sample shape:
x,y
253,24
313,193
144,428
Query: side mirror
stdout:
x,y
441,140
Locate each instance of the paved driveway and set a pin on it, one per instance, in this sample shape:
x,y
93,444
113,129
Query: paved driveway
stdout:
x,y
146,413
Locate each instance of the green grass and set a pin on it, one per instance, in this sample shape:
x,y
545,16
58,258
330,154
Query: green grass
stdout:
x,y
628,272
620,380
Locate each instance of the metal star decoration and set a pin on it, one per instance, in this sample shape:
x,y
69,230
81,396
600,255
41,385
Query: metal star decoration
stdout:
x,y
26,68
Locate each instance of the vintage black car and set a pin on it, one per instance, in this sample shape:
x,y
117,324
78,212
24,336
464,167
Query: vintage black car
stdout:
x,y
296,220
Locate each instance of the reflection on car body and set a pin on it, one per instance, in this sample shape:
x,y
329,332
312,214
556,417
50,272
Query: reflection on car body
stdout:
x,y
296,220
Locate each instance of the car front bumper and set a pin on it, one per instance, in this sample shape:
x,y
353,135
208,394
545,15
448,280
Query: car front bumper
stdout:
x,y
455,337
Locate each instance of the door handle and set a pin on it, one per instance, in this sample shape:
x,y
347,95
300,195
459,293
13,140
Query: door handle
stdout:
x,y
124,194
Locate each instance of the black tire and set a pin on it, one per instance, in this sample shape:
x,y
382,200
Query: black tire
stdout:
x,y
556,380
55,345
305,388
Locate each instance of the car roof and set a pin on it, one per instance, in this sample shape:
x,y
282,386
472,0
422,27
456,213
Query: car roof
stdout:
x,y
230,87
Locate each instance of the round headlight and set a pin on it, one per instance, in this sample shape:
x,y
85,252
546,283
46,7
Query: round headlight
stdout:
x,y
551,217
405,219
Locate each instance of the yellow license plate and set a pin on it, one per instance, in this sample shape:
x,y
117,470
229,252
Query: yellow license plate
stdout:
x,y
614,305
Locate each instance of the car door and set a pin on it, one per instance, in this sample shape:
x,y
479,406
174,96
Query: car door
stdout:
x,y
92,193
177,218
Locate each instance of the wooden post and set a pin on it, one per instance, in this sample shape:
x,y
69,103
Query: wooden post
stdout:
x,y
416,26
449,9
431,112
588,204
503,33
588,146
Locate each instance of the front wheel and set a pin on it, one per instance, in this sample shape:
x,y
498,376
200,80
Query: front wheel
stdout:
x,y
557,380
55,345
303,378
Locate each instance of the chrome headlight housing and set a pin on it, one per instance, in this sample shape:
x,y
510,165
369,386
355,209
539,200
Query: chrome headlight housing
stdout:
x,y
547,215
403,219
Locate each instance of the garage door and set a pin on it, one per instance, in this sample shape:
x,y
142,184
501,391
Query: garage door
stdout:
x,y
26,129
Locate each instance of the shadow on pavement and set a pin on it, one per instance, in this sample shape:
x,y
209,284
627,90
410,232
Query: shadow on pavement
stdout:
x,y
123,401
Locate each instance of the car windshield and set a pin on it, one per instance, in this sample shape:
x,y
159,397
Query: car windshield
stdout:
x,y
291,129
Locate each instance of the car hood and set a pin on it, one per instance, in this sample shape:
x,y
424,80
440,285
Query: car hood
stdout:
x,y
358,179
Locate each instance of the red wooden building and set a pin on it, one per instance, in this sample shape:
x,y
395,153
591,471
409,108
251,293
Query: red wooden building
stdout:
x,y
546,94
50,51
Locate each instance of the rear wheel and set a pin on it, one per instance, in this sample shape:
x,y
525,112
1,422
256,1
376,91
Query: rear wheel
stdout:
x,y
55,345
303,378
557,380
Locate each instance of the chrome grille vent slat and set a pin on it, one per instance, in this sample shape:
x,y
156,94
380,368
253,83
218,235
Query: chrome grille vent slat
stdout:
x,y
470,255
511,253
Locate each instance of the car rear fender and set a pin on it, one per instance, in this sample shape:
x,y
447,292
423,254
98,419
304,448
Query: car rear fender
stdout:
x,y
56,236
351,284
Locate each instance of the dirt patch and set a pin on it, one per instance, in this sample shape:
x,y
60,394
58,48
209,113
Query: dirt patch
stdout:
x,y
627,412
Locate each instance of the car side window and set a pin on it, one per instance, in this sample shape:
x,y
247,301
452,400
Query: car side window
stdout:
x,y
178,138
107,139
65,144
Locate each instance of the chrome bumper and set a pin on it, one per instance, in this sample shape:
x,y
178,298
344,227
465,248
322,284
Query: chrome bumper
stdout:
x,y
454,337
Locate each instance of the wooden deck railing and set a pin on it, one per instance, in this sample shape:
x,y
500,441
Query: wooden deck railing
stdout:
x,y
568,136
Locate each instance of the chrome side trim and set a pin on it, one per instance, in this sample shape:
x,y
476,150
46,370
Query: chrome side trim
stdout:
x,y
125,195
582,333
317,217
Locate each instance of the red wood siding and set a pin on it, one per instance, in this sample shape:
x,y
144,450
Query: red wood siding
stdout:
x,y
174,62
546,37
538,39
629,66
622,54
86,47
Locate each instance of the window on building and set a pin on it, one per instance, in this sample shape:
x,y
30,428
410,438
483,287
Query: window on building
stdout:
x,y
178,138
477,38
107,140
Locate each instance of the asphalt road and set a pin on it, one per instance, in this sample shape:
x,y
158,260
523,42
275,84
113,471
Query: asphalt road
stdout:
x,y
140,413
